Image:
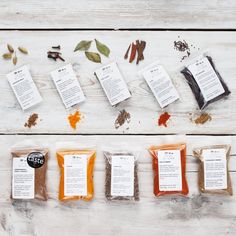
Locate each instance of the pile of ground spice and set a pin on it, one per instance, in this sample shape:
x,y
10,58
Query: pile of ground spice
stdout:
x,y
74,119
123,117
203,118
32,120
163,119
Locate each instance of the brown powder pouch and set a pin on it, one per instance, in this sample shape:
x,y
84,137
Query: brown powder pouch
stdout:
x,y
169,168
29,173
213,173
121,181
76,181
205,81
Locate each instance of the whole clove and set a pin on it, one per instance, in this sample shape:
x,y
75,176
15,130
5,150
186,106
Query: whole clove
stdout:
x,y
56,47
55,55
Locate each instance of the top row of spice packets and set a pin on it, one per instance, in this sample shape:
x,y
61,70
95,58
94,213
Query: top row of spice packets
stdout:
x,y
76,163
204,80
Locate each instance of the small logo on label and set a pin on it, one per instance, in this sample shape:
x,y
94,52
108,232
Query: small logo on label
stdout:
x,y
35,159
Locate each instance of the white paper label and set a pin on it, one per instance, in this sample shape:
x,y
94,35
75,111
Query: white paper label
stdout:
x,y
160,83
68,86
113,83
122,175
23,179
170,171
24,87
206,79
75,175
215,169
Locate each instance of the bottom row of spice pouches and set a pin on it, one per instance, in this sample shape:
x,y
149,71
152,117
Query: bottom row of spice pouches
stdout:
x,y
30,165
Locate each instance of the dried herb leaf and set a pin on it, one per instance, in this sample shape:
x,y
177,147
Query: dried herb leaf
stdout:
x,y
7,55
14,60
10,48
83,45
23,50
93,56
102,48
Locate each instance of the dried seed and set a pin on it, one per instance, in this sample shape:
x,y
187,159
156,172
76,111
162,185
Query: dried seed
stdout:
x,y
10,48
7,56
14,60
23,50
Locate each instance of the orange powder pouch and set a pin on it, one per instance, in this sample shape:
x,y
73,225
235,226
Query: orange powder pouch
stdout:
x,y
76,167
169,168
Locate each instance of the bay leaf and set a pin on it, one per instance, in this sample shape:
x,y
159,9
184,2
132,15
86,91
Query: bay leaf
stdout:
x,y
10,48
83,45
23,50
7,55
102,48
14,60
93,56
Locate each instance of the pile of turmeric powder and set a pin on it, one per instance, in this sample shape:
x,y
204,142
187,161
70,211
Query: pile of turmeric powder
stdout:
x,y
74,119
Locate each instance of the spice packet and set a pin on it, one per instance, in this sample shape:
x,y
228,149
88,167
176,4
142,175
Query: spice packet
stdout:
x,y
76,166
169,168
205,81
213,173
29,169
160,84
113,83
24,88
121,181
68,86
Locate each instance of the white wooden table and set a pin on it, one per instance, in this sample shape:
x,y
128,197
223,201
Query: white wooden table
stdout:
x,y
42,24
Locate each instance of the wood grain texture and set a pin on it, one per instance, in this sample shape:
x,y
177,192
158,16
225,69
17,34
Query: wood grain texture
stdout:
x,y
195,214
116,14
99,116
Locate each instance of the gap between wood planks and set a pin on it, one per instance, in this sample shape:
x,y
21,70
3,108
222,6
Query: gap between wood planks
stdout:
x,y
120,29
112,134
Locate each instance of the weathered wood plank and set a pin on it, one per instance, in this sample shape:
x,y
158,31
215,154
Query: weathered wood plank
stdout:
x,y
140,143
117,14
203,214
99,116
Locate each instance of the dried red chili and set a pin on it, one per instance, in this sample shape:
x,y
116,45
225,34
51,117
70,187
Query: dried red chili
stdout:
x,y
169,167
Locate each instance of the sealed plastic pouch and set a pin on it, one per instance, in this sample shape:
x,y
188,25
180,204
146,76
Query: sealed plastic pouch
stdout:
x,y
29,169
76,164
121,181
205,81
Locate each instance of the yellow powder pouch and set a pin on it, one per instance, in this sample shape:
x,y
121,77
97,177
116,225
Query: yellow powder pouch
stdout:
x,y
76,169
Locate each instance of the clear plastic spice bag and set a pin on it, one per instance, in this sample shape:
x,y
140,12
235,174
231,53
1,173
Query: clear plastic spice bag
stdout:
x,y
213,173
169,168
205,81
121,181
29,169
76,166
